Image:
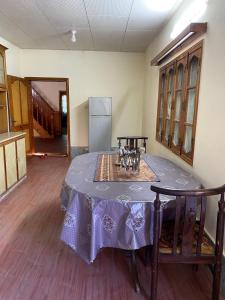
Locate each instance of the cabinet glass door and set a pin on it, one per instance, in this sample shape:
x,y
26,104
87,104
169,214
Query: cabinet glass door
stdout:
x,y
168,111
178,103
162,87
191,105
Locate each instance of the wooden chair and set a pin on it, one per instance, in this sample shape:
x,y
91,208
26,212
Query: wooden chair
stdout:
x,y
184,240
132,141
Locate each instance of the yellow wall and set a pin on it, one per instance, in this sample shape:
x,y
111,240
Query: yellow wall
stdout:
x,y
12,58
119,75
209,157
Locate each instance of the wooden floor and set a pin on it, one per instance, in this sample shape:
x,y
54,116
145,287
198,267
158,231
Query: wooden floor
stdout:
x,y
56,145
35,264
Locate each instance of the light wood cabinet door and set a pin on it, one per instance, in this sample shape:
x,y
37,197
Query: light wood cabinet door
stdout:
x,y
15,104
11,164
21,157
19,107
3,112
2,172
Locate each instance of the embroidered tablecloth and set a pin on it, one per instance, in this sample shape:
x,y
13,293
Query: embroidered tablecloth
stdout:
x,y
107,169
114,214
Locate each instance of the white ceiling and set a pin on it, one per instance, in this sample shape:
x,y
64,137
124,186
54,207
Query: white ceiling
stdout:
x,y
104,25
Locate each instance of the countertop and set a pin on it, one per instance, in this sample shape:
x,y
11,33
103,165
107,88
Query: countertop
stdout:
x,y
4,137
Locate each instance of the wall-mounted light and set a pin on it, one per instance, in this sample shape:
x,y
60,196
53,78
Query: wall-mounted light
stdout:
x,y
189,34
191,14
73,38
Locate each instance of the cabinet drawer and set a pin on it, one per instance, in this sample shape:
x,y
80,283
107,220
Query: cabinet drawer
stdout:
x,y
2,172
11,165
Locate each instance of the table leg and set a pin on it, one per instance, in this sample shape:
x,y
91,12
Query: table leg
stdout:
x,y
119,143
144,145
136,144
131,254
134,271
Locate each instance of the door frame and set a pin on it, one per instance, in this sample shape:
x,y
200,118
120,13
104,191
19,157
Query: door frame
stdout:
x,y
52,79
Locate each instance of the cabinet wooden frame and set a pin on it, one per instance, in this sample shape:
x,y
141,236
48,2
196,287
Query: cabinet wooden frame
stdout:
x,y
175,115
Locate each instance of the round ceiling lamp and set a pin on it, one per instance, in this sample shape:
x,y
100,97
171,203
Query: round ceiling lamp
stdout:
x,y
73,38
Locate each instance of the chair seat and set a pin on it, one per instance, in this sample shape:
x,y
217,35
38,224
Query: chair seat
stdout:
x,y
166,241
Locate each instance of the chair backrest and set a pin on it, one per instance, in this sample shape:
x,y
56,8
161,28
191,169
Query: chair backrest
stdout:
x,y
185,219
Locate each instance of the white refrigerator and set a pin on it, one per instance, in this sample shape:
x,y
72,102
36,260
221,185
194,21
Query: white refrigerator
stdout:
x,y
100,123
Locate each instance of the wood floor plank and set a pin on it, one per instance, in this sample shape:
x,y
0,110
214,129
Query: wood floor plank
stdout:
x,y
35,264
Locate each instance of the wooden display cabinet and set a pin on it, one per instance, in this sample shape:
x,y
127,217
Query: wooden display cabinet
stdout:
x,y
12,144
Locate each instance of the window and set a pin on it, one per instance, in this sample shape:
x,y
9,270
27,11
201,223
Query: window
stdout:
x,y
64,104
178,103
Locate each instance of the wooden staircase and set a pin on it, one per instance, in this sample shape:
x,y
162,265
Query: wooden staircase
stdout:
x,y
41,131
46,121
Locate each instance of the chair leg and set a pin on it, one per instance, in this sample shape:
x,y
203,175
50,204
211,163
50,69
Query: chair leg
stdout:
x,y
216,281
147,254
195,268
134,271
154,281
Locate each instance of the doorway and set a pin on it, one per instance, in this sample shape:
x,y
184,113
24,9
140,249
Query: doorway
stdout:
x,y
49,98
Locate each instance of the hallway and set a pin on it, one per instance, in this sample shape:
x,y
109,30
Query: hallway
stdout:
x,y
55,145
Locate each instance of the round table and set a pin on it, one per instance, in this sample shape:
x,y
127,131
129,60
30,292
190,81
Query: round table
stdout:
x,y
113,214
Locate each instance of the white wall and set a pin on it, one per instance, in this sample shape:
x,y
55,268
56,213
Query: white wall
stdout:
x,y
209,158
49,90
120,75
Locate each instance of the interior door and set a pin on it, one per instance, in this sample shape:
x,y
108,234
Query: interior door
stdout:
x,y
19,107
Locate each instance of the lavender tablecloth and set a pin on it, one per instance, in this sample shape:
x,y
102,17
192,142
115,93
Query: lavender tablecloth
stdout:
x,y
113,214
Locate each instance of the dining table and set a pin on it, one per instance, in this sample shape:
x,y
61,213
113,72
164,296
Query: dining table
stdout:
x,y
115,214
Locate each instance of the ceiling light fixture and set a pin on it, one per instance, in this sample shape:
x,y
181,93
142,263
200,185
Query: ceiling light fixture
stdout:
x,y
73,38
161,5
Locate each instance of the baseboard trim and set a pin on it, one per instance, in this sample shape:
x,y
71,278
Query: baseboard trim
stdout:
x,y
78,150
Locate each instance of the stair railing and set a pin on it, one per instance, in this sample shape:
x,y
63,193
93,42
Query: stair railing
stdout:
x,y
43,113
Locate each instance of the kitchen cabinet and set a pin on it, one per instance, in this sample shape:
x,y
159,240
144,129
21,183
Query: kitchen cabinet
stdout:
x,y
12,160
